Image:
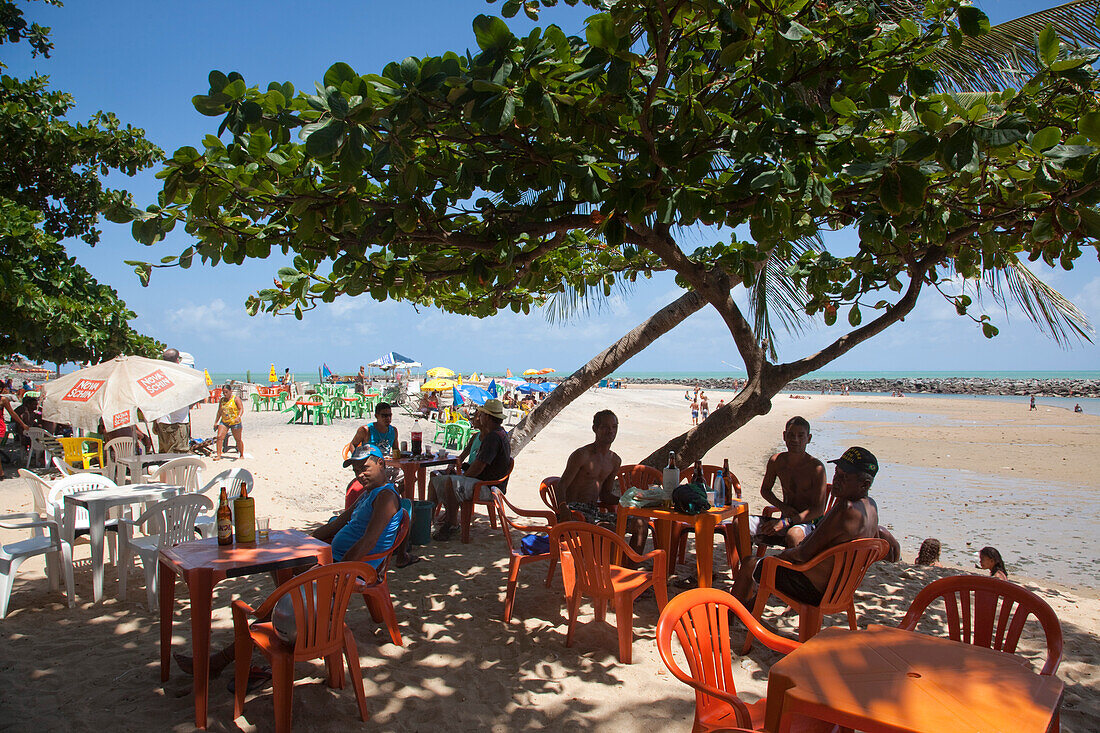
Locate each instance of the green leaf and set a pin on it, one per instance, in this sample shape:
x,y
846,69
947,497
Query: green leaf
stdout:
x,y
796,32
323,141
510,8
854,316
889,191
1089,125
491,32
989,330
842,105
913,185
600,32
339,73
973,21
1048,45
405,219
830,316
732,53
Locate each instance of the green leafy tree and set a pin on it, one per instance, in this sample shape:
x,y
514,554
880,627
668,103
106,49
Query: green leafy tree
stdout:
x,y
551,163
50,189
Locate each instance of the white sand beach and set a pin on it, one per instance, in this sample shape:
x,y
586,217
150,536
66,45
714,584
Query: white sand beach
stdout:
x,y
462,668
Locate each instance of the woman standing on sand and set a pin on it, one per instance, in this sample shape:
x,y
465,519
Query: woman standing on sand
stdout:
x,y
990,560
230,409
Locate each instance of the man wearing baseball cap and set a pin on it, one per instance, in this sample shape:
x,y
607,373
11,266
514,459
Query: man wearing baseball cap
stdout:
x,y
493,461
853,516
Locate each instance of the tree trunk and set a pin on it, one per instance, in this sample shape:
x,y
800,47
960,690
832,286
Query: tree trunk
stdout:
x,y
602,365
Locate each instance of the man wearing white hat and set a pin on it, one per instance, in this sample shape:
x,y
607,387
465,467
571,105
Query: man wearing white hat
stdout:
x,y
493,461
174,429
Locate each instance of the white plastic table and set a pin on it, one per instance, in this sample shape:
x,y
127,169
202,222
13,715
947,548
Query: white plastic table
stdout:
x,y
135,465
97,503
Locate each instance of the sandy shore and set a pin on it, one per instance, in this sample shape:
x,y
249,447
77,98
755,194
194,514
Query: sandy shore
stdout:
x,y
461,667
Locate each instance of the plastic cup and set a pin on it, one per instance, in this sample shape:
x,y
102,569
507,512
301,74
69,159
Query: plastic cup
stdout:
x,y
263,525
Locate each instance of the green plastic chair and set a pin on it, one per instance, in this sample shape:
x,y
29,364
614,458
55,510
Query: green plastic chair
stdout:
x,y
255,401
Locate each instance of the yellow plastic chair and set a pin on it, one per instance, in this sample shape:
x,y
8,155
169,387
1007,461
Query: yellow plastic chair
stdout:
x,y
80,452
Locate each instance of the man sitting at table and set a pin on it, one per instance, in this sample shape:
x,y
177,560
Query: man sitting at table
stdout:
x,y
589,476
854,516
491,462
366,527
803,480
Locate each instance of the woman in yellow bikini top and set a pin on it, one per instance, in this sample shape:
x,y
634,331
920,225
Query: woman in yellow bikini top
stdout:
x,y
229,421
228,414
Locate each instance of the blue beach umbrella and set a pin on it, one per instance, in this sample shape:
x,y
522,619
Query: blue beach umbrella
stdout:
x,y
492,387
456,396
473,393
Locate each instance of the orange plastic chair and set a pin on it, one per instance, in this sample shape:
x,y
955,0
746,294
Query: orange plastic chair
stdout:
x,y
466,508
638,476
516,558
548,492
320,597
700,619
585,551
850,563
989,612
376,593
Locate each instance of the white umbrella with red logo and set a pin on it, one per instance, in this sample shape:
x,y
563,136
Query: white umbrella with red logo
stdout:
x,y
115,390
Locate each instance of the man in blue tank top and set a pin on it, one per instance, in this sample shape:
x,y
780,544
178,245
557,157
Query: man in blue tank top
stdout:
x,y
369,525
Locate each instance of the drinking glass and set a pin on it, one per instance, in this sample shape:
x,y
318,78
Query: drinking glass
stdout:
x,y
262,526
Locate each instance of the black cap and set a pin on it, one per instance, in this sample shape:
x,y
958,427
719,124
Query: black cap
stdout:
x,y
858,460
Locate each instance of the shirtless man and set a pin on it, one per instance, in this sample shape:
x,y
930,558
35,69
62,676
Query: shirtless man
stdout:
x,y
854,516
590,472
803,480
704,406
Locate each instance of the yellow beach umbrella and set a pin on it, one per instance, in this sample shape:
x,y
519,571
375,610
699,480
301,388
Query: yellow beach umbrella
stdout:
x,y
437,384
209,381
439,372
530,372
271,376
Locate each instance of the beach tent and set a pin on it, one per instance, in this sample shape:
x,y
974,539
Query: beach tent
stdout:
x,y
393,360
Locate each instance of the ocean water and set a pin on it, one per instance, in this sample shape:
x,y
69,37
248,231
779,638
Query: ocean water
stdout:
x,y
310,374
1051,535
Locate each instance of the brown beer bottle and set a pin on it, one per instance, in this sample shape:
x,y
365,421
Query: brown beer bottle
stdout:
x,y
697,474
225,521
729,478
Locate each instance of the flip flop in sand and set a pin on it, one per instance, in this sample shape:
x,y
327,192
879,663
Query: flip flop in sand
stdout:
x,y
444,533
413,560
258,678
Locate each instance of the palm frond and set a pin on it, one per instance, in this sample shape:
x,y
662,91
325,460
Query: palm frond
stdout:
x,y
1051,312
775,293
1005,57
572,303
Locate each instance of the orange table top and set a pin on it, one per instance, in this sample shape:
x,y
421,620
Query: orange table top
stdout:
x,y
284,548
719,512
887,679
305,403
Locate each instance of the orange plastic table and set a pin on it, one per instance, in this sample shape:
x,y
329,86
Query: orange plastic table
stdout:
x,y
416,473
887,679
704,522
205,563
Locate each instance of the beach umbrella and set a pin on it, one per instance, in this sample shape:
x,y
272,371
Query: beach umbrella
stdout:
x,y
206,376
546,370
473,393
456,396
271,376
326,373
508,373
546,387
437,385
492,387
115,390
439,372
393,360
530,372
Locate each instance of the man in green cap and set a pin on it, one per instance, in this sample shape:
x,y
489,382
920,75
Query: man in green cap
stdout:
x,y
854,516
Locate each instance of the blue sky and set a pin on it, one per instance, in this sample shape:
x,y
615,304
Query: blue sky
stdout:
x,y
144,61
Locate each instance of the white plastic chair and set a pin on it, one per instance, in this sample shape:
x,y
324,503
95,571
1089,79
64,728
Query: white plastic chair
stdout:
x,y
13,555
232,479
40,489
115,449
75,484
167,524
68,469
185,472
37,437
